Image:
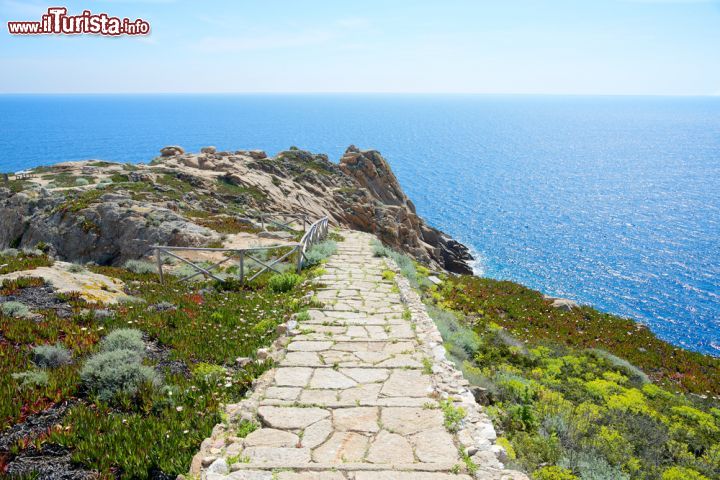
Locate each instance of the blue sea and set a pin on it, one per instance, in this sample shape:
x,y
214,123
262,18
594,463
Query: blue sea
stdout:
x,y
611,201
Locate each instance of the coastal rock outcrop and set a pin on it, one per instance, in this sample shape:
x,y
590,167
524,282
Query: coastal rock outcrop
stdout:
x,y
108,213
390,214
171,150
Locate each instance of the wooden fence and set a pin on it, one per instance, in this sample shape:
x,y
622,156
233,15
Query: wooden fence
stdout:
x,y
314,234
283,220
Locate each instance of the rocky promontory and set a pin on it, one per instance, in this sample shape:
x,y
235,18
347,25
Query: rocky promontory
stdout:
x,y
108,213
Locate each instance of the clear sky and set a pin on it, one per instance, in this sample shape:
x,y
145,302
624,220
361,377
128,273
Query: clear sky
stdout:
x,y
658,47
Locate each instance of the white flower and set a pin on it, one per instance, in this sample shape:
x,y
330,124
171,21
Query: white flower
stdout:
x,y
179,409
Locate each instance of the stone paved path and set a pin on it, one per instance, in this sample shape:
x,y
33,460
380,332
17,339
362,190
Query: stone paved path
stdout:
x,y
354,397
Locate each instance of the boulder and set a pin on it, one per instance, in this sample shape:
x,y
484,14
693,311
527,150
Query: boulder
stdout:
x,y
208,150
564,304
171,151
481,395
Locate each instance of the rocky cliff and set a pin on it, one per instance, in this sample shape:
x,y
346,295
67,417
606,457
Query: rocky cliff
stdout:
x,y
109,213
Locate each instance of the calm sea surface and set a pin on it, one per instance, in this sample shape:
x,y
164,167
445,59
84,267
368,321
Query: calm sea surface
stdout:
x,y
611,201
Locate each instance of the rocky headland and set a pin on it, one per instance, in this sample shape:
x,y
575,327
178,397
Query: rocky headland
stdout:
x,y
108,213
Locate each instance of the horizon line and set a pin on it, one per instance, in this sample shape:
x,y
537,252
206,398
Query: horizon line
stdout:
x,y
525,94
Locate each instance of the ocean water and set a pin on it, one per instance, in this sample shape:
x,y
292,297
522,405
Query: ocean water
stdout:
x,y
611,201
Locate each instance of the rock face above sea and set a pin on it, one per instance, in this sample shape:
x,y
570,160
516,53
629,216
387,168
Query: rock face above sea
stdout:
x,y
109,213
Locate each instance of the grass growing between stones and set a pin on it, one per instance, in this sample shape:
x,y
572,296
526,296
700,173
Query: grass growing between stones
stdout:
x,y
173,355
565,411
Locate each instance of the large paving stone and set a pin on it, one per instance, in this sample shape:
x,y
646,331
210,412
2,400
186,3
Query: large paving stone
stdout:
x,y
277,455
366,375
410,420
407,383
291,418
356,419
292,376
316,434
312,346
367,393
270,437
390,448
330,379
318,397
283,393
300,358
342,447
434,446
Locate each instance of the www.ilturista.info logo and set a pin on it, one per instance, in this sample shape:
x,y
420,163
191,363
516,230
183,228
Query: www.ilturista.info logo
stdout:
x,y
58,22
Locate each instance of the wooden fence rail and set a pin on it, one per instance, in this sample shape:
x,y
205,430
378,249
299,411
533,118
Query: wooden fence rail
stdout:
x,y
314,234
282,220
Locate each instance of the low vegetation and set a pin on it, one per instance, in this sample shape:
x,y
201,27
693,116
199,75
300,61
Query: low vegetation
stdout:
x,y
530,318
227,224
577,395
319,252
13,260
566,411
145,379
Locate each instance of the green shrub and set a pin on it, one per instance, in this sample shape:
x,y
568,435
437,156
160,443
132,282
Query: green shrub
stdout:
x,y
124,339
245,428
32,378
682,473
15,309
635,374
380,250
553,473
140,267
284,282
81,181
319,252
388,275
110,373
460,341
534,451
593,467
50,356
453,416
75,268
208,374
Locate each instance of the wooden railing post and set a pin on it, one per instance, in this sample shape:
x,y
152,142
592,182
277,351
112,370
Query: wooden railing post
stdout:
x,y
158,259
299,249
242,266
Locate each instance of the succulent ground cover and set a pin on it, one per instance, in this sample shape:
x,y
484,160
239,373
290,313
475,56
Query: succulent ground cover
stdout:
x,y
131,390
12,260
565,391
529,317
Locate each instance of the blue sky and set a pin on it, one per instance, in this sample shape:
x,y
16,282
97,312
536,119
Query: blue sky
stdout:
x,y
654,47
